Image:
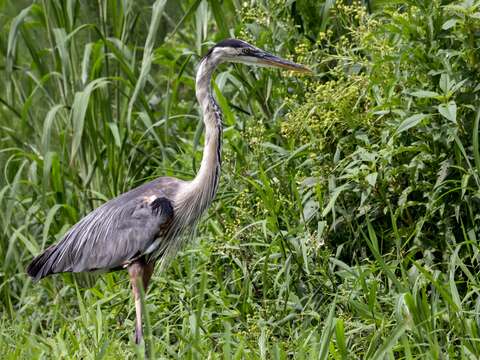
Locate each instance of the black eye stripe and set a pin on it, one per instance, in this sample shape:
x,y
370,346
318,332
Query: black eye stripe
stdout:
x,y
245,48
232,43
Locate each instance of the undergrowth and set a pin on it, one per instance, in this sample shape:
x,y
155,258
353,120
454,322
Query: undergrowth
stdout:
x,y
347,221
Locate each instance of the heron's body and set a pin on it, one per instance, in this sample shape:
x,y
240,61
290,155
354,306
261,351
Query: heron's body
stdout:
x,y
144,226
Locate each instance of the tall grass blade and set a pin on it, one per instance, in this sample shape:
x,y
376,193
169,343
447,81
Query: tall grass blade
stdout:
x,y
475,141
157,12
327,331
390,342
78,113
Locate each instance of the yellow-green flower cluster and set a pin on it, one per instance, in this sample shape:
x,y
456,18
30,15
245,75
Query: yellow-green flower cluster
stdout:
x,y
328,109
254,135
254,14
246,209
356,9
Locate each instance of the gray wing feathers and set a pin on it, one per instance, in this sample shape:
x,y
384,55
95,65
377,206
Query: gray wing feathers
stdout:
x,y
114,236
109,237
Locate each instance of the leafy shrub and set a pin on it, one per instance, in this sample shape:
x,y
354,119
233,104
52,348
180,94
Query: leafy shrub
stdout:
x,y
397,120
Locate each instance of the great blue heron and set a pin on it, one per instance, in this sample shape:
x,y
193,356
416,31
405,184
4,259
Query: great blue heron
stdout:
x,y
143,226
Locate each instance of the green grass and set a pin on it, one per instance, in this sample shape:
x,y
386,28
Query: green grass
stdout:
x,y
347,222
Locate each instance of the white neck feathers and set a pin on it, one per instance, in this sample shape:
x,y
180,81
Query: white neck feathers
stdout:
x,y
202,189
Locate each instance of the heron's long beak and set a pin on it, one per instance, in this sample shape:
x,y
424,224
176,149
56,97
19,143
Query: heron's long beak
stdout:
x,y
270,60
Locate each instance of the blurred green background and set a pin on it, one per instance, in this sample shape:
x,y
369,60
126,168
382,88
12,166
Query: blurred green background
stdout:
x,y
347,221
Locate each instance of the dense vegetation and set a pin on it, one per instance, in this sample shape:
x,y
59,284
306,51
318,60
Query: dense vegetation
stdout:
x,y
348,218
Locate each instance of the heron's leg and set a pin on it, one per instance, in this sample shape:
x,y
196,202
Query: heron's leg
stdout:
x,y
140,274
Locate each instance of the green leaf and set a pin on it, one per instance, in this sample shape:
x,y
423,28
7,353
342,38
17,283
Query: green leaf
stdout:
x,y
218,11
79,109
372,178
157,12
340,339
186,15
116,134
327,332
448,111
229,118
425,94
12,37
410,122
61,45
445,83
47,126
333,198
325,14
449,24
390,342
476,145
48,222
86,62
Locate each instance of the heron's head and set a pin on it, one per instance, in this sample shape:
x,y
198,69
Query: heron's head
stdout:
x,y
233,50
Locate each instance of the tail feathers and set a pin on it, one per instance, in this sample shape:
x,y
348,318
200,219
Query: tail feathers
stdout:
x,y
43,264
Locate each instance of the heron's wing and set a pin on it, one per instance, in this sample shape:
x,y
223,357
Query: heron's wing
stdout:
x,y
109,237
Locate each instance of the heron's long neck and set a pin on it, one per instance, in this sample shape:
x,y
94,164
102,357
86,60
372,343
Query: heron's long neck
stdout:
x,y
204,185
